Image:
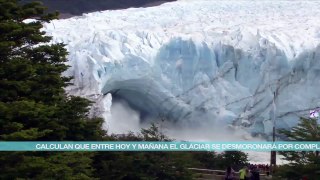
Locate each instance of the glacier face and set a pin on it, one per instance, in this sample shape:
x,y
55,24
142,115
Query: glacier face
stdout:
x,y
199,62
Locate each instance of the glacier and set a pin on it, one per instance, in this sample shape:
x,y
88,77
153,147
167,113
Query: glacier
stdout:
x,y
223,64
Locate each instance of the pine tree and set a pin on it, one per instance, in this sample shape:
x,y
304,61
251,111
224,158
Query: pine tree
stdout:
x,y
33,103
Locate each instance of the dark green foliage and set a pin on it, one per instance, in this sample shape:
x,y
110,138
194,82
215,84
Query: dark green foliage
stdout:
x,y
143,165
212,160
153,134
159,165
208,160
302,163
44,165
232,158
33,104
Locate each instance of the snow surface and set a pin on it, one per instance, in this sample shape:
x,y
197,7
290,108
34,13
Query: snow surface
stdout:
x,y
200,63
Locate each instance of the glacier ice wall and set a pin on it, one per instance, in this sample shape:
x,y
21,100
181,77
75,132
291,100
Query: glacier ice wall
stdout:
x,y
224,62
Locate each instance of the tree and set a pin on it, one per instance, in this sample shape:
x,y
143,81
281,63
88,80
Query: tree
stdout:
x,y
234,158
208,160
33,103
153,134
143,165
213,160
302,163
